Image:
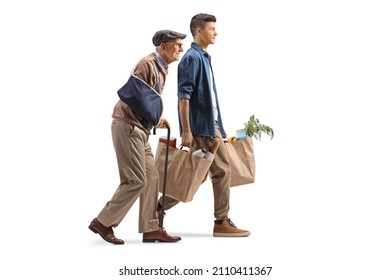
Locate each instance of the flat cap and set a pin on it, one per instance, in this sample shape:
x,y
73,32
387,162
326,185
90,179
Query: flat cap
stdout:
x,y
163,36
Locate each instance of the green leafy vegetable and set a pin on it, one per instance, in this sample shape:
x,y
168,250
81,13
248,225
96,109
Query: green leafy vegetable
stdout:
x,y
254,128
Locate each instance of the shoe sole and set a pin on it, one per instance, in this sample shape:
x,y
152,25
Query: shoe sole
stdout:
x,y
92,229
242,234
156,240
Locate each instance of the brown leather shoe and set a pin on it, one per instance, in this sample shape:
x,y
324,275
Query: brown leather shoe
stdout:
x,y
159,235
105,232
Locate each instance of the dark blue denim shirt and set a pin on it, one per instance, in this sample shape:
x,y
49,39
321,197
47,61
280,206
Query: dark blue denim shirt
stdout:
x,y
194,84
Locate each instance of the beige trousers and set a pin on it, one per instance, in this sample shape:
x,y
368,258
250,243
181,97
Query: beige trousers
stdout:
x,y
219,175
138,178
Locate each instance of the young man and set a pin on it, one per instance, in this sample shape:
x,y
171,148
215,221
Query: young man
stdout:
x,y
201,121
130,132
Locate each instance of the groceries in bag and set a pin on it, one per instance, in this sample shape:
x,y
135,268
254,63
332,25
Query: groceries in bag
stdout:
x,y
210,152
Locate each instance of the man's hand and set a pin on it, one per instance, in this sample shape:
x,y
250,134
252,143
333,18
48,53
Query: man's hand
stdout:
x,y
187,139
163,123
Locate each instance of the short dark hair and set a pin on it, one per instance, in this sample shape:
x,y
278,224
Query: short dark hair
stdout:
x,y
199,21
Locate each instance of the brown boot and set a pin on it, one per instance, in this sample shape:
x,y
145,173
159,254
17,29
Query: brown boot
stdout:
x,y
159,235
226,228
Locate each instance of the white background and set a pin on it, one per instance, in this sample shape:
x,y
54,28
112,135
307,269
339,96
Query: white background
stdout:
x,y
315,71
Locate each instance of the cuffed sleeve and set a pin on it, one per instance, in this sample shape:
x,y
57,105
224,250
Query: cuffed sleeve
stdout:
x,y
187,77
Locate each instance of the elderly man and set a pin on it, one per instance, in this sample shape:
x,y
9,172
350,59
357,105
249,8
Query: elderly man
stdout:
x,y
133,118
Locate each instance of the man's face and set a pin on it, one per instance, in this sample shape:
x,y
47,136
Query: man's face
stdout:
x,y
208,33
173,49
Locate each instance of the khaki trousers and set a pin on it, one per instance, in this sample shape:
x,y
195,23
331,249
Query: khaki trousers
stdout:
x,y
138,178
219,175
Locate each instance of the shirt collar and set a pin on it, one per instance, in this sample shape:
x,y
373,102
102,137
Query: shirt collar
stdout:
x,y
202,51
161,60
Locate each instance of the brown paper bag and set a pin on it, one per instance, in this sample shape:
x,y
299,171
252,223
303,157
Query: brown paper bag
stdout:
x,y
242,161
185,172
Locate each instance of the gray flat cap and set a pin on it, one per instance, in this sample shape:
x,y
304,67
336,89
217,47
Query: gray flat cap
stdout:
x,y
163,36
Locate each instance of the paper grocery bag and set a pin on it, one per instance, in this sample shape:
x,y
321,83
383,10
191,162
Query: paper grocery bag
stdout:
x,y
242,161
185,172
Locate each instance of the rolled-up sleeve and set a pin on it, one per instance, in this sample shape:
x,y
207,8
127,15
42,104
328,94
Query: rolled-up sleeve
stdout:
x,y
186,77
